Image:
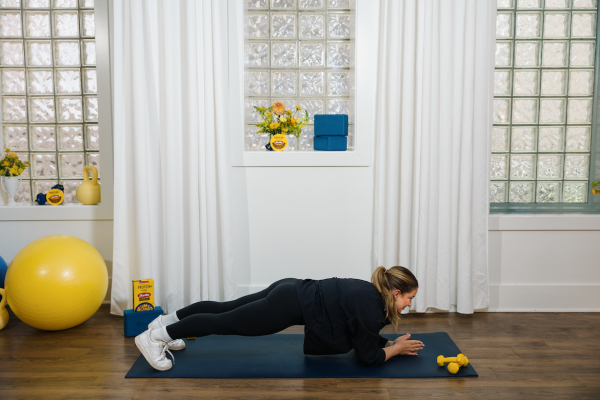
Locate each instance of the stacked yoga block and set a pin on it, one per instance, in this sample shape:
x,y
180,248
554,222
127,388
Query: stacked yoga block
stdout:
x,y
331,132
137,322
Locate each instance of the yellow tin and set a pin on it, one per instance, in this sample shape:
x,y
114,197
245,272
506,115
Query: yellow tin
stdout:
x,y
55,197
278,142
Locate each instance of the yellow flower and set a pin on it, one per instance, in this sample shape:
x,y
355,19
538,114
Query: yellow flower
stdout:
x,y
7,149
27,163
284,130
274,125
298,108
282,119
293,121
6,164
288,112
278,107
595,191
12,155
270,115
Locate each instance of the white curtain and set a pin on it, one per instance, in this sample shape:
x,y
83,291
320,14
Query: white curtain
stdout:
x,y
172,221
434,121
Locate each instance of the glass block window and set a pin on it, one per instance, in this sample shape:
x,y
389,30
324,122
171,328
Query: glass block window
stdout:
x,y
48,91
302,53
543,97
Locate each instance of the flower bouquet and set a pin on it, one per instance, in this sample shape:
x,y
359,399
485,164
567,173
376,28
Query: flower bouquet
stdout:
x,y
279,121
10,165
10,172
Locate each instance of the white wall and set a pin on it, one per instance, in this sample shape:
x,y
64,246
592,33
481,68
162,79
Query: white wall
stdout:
x,y
544,263
316,222
302,222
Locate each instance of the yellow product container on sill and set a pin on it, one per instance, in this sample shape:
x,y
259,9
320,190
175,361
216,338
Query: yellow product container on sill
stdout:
x,y
143,295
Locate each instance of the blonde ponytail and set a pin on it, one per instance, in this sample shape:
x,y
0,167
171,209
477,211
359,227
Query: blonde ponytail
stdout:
x,y
385,281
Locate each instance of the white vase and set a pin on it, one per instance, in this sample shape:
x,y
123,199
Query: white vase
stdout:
x,y
11,184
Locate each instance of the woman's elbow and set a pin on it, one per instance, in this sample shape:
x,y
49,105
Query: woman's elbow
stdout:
x,y
371,361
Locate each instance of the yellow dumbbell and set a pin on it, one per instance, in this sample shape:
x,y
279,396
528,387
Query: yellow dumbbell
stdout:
x,y
455,362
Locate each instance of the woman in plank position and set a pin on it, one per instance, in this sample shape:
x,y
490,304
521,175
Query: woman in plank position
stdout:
x,y
338,314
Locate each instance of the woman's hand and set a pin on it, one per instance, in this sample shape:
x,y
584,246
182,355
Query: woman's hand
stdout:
x,y
408,347
403,346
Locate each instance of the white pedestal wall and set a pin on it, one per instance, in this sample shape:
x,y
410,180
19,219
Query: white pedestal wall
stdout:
x,y
316,222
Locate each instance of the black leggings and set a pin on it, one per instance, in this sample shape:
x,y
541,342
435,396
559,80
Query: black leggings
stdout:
x,y
266,312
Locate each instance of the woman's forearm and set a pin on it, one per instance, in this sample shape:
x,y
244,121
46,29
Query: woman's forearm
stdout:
x,y
390,350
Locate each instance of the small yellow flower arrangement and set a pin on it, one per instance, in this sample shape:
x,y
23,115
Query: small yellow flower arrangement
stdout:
x,y
596,184
10,165
278,120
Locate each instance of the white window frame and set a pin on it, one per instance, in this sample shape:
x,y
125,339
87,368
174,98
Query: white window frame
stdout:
x,y
366,46
78,211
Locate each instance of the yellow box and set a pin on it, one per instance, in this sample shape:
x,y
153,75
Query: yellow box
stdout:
x,y
143,295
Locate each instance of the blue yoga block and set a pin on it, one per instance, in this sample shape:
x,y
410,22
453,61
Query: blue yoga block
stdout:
x,y
137,322
331,125
331,143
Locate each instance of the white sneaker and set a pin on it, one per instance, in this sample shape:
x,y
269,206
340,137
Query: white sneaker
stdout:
x,y
154,352
177,344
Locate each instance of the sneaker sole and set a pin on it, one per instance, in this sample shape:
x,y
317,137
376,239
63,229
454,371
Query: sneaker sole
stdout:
x,y
148,358
176,347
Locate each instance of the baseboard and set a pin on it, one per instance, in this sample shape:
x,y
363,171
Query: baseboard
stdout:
x,y
521,298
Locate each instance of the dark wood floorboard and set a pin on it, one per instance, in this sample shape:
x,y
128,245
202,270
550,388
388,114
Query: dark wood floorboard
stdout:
x,y
517,356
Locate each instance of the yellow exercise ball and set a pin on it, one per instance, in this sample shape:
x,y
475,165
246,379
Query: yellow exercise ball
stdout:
x,y
56,282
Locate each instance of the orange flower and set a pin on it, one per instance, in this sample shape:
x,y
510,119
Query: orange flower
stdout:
x,y
595,191
293,121
278,107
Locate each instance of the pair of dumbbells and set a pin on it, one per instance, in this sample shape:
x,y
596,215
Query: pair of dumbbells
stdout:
x,y
455,362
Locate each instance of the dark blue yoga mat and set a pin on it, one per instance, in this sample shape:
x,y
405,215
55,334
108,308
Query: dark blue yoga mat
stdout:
x,y
281,356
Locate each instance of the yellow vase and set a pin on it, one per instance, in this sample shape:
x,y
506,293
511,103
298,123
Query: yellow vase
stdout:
x,y
3,312
89,191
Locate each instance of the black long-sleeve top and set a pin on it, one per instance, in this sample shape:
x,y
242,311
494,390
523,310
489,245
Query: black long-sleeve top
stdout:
x,y
341,315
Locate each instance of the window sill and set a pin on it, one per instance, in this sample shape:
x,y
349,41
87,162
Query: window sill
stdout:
x,y
70,211
302,159
544,222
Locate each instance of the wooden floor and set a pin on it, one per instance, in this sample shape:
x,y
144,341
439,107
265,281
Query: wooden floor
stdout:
x,y
517,356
